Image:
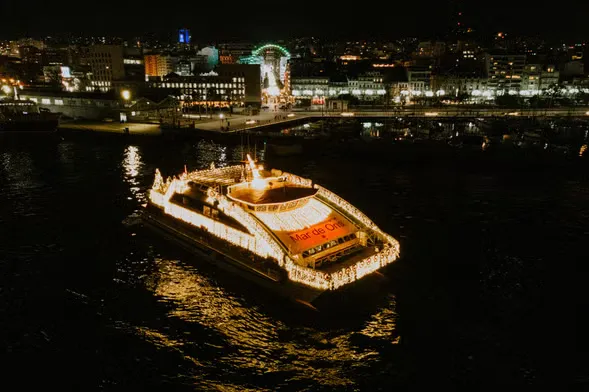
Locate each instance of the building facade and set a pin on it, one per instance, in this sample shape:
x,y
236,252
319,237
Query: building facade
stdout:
x,y
411,89
210,55
236,85
309,86
82,105
106,63
184,36
158,65
537,78
367,87
230,53
456,85
420,73
505,72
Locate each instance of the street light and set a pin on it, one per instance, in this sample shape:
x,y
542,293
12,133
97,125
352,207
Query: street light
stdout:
x,y
6,89
126,95
221,116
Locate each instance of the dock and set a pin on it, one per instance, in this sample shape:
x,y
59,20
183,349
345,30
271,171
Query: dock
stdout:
x,y
144,129
228,125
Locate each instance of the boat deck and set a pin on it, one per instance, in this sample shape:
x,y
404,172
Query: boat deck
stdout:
x,y
348,260
275,195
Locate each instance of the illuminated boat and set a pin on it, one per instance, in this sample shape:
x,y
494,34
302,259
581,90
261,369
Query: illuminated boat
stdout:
x,y
281,229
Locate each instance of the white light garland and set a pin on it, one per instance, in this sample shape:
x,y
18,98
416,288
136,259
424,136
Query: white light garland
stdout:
x,y
261,239
300,181
343,204
309,214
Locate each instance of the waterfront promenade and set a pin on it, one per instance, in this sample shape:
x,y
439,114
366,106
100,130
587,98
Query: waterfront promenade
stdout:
x,y
238,122
265,119
112,127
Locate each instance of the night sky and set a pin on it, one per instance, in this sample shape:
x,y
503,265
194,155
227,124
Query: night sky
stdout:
x,y
249,20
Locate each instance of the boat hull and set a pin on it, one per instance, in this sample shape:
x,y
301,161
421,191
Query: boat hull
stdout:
x,y
234,261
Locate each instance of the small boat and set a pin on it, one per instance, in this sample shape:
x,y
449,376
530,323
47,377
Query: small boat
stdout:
x,y
275,228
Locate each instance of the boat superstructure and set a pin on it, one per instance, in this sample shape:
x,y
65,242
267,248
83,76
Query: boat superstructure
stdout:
x,y
311,236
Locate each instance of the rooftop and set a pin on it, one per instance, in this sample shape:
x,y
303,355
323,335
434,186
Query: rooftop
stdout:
x,y
275,193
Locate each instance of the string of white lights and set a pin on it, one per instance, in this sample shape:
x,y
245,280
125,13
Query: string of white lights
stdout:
x,y
309,214
297,180
343,204
261,242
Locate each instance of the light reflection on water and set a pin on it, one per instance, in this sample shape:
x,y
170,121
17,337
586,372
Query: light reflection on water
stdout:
x,y
241,338
20,181
18,168
209,152
203,153
132,165
248,338
472,295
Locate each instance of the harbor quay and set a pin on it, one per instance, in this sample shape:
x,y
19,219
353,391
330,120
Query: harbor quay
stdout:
x,y
237,123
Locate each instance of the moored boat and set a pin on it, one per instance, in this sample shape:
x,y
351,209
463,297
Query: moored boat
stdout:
x,y
24,117
278,229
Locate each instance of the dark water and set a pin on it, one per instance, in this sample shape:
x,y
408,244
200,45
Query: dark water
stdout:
x,y
489,291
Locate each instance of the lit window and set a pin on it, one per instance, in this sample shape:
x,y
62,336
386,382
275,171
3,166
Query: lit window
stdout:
x,y
59,102
45,101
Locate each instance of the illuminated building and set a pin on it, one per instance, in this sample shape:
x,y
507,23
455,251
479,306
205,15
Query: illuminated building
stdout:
x,y
157,65
369,86
236,84
455,85
276,225
211,57
349,57
273,60
310,87
106,62
184,36
183,68
505,71
86,105
408,88
420,73
227,59
431,49
230,53
537,77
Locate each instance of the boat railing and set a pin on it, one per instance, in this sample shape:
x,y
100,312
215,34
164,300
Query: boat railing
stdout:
x,y
270,234
253,225
334,280
221,174
354,212
297,180
263,242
